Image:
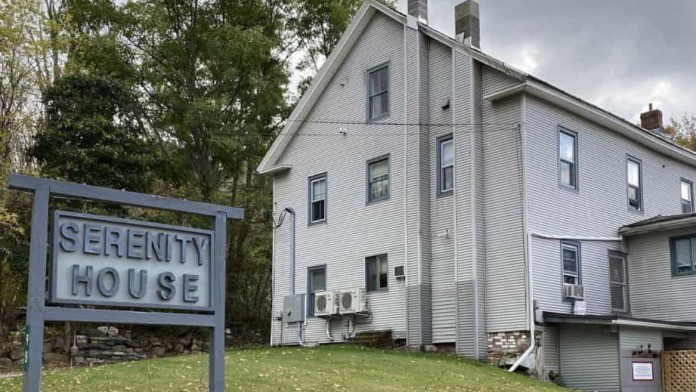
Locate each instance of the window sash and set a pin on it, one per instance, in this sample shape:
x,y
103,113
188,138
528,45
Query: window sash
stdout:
x,y
618,283
566,150
378,92
377,270
570,259
633,177
446,165
378,180
317,197
683,250
686,197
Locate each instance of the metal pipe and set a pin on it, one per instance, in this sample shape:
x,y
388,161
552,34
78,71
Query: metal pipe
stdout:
x,y
577,238
328,329
522,358
292,249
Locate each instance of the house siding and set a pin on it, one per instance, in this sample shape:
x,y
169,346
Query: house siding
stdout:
x,y
441,208
589,358
506,302
352,231
630,340
597,209
654,292
550,354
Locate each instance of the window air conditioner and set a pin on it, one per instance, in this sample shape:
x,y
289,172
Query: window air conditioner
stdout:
x,y
326,303
573,291
353,301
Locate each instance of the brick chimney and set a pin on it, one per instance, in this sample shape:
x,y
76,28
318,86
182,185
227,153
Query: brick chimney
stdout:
x,y
652,119
418,9
467,26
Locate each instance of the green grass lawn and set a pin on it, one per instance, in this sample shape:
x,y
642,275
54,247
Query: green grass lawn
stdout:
x,y
337,368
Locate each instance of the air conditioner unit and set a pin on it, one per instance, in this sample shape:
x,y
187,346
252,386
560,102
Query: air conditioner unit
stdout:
x,y
326,303
573,291
353,301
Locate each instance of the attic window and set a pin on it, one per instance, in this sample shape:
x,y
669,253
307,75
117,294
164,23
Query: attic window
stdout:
x,y
378,92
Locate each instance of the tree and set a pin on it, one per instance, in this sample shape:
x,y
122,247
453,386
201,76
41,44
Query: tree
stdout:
x,y
92,136
683,131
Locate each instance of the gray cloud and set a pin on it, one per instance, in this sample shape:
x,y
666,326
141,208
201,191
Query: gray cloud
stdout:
x,y
618,54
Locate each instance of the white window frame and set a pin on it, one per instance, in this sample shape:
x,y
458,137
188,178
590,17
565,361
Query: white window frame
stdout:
x,y
441,142
379,260
574,246
638,188
623,285
312,181
687,205
371,95
370,199
573,165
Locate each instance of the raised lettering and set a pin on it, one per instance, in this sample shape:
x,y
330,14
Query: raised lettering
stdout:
x,y
101,282
190,287
155,246
142,287
114,238
201,248
184,241
136,244
85,279
93,239
166,281
69,239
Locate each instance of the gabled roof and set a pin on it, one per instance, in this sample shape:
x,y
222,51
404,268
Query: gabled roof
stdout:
x,y
528,84
659,223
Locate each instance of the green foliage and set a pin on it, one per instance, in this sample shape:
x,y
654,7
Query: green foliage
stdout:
x,y
91,135
683,131
336,368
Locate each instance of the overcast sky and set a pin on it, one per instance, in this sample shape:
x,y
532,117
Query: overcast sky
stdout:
x,y
618,54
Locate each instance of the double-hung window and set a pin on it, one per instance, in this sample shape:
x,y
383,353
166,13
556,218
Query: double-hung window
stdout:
x,y
378,179
316,282
570,255
634,184
378,92
445,165
618,283
683,250
376,272
687,199
317,198
567,158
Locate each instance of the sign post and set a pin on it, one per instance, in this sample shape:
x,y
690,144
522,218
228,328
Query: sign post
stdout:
x,y
104,261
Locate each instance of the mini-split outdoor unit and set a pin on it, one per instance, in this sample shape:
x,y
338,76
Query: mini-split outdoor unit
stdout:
x,y
573,291
326,303
353,301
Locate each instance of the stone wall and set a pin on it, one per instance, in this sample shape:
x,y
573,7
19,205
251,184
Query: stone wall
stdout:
x,y
107,345
505,347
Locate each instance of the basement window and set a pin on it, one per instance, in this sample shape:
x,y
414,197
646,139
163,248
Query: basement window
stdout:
x,y
376,273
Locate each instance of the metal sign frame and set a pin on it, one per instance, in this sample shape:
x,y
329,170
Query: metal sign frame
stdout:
x,y
38,311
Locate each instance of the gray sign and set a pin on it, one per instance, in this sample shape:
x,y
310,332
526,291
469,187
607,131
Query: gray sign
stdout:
x,y
118,262
105,261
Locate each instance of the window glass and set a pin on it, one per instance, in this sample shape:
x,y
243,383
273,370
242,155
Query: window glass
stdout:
x,y
378,93
317,199
446,165
378,173
633,174
377,271
567,147
685,191
682,255
566,154
569,254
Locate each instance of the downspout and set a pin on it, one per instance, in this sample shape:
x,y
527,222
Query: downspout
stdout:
x,y
303,324
527,238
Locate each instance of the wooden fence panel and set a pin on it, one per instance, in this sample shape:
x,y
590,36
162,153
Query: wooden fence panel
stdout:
x,y
679,371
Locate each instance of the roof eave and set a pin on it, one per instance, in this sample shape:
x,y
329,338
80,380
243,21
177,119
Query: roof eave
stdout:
x,y
598,116
327,71
678,223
